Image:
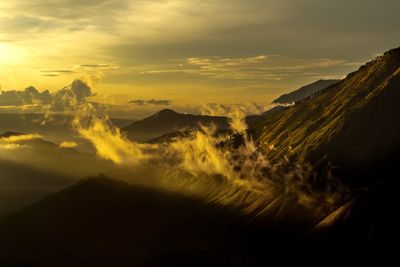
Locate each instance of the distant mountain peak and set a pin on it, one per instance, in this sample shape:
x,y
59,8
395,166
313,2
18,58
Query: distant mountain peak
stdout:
x,y
169,121
167,111
305,91
9,134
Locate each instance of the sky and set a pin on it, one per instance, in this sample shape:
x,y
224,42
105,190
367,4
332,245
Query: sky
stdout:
x,y
181,53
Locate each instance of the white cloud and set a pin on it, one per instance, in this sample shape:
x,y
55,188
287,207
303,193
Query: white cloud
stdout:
x,y
256,68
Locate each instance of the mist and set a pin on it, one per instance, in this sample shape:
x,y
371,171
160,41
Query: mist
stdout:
x,y
202,163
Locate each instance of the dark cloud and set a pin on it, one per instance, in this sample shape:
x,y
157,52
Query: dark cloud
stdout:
x,y
51,75
47,15
100,66
55,73
28,96
60,71
77,91
154,102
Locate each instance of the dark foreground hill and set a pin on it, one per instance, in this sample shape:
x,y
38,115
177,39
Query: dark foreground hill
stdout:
x,y
168,121
103,222
354,124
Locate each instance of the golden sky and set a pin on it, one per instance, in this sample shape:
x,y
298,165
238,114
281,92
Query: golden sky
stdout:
x,y
190,51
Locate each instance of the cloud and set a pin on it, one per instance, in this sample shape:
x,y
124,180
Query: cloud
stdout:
x,y
68,144
98,66
236,113
31,96
78,69
255,68
56,73
154,102
14,142
20,138
50,35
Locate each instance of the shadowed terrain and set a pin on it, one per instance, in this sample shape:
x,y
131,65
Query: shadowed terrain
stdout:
x,y
106,222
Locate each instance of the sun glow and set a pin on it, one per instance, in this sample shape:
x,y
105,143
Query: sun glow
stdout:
x,y
9,54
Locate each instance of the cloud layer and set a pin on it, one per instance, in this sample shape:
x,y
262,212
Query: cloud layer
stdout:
x,y
199,49
31,96
154,102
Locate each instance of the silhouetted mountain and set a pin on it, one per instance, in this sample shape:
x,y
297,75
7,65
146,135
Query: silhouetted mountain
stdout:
x,y
304,92
168,121
33,167
354,124
8,134
108,222
57,128
100,221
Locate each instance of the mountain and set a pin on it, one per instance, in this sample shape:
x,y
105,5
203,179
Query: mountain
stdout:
x,y
254,119
304,92
354,125
110,223
56,129
32,167
168,121
9,134
102,222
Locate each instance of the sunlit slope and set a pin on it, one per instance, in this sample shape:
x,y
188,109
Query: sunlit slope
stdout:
x,y
354,124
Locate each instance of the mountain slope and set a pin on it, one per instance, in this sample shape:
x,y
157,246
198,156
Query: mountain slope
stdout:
x,y
168,121
32,167
304,91
355,123
104,221
254,119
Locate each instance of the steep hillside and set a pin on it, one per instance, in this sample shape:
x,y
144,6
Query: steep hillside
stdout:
x,y
104,221
254,119
354,124
304,91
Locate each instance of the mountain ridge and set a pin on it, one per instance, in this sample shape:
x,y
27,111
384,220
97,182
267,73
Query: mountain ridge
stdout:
x,y
353,124
168,121
305,91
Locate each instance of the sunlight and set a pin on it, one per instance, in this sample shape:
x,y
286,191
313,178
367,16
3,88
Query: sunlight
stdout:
x,y
10,54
